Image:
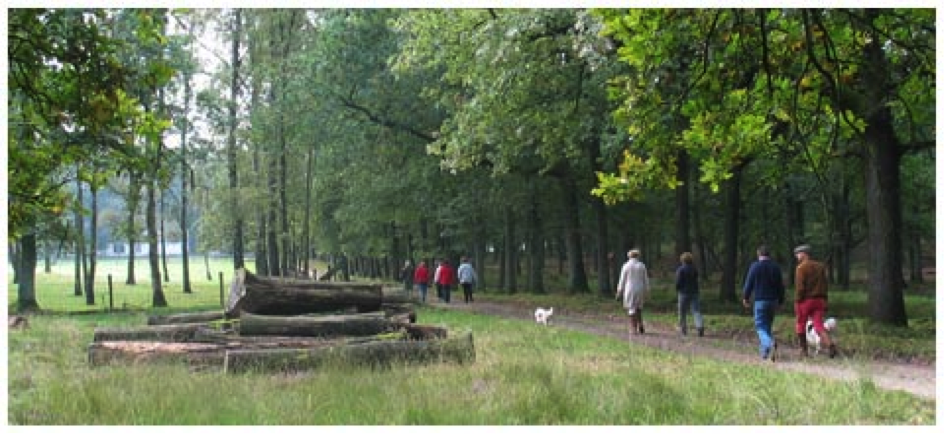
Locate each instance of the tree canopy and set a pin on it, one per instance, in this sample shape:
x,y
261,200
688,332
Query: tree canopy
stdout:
x,y
519,137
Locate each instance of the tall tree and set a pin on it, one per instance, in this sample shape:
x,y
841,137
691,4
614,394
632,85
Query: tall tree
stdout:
x,y
231,145
834,82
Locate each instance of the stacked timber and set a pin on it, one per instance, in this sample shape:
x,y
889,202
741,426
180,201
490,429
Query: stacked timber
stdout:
x,y
287,325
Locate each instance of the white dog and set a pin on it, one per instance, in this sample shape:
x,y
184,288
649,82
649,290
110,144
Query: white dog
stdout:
x,y
541,316
813,339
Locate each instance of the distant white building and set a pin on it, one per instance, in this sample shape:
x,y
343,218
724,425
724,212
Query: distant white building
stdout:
x,y
140,249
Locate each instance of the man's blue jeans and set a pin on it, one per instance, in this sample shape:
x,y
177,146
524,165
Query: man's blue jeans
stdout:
x,y
684,301
763,323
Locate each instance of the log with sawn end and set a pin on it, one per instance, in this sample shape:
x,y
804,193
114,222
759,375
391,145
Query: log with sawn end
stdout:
x,y
166,333
375,354
265,296
362,324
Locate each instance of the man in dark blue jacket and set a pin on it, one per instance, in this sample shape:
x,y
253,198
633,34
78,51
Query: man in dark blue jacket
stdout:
x,y
764,282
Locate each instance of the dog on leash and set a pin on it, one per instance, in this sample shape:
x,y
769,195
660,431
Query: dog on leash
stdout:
x,y
813,339
541,315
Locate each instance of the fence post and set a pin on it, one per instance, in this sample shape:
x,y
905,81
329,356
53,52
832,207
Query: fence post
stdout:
x,y
221,290
111,297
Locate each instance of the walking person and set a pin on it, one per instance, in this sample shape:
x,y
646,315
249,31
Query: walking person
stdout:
x,y
439,288
421,280
633,288
445,278
764,282
686,284
467,278
811,299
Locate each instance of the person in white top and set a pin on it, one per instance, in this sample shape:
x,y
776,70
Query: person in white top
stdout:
x,y
633,288
467,278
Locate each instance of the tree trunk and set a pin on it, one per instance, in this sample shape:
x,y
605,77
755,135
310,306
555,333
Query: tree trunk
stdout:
x,y
732,217
511,253
15,261
883,186
164,332
535,244
157,296
163,242
702,256
578,273
375,354
249,293
93,249
195,354
364,324
26,287
683,242
272,222
603,248
231,155
886,298
79,239
185,172
306,224
47,258
134,189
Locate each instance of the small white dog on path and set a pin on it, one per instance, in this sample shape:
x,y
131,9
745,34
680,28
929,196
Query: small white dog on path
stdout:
x,y
541,315
813,339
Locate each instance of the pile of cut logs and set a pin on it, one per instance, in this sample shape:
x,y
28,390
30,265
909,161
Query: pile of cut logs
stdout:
x,y
287,325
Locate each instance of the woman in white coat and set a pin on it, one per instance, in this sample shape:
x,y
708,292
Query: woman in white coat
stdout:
x,y
633,287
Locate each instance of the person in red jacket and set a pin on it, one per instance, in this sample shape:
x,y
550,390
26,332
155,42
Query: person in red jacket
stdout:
x,y
421,280
445,278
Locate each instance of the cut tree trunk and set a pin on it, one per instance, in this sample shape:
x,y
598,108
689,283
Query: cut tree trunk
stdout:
x,y
166,333
135,352
374,354
256,295
186,318
322,326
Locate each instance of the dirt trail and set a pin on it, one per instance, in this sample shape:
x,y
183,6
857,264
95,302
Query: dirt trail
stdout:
x,y
917,379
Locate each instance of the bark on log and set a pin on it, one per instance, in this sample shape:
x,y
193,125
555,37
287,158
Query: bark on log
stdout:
x,y
256,295
135,352
210,354
166,333
374,354
364,324
186,318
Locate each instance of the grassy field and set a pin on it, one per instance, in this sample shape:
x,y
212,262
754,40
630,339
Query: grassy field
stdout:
x,y
55,291
523,375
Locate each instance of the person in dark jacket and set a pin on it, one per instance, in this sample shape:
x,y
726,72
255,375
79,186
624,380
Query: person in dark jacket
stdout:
x,y
686,284
764,282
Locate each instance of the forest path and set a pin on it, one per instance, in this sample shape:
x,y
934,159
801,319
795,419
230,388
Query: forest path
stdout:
x,y
915,378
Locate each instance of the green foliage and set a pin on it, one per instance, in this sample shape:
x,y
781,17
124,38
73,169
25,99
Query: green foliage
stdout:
x,y
69,103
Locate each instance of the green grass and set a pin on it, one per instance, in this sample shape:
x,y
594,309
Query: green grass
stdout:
x,y
523,375
55,290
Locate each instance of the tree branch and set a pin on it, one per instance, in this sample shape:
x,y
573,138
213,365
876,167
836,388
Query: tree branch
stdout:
x,y
382,121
